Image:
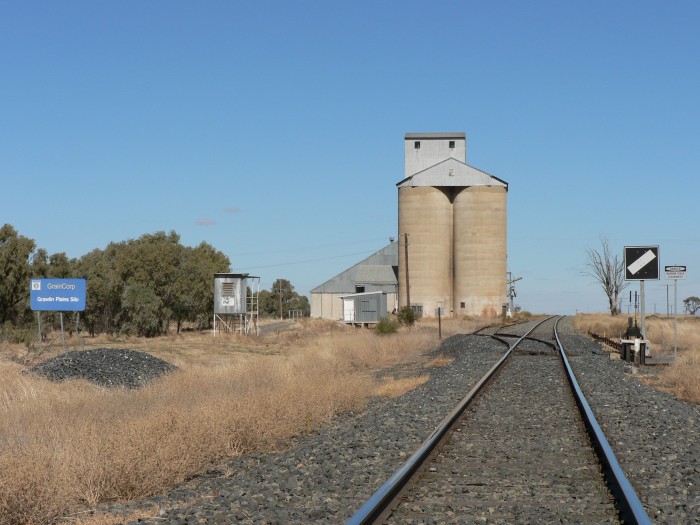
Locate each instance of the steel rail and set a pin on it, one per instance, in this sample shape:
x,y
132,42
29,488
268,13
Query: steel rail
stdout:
x,y
630,507
379,503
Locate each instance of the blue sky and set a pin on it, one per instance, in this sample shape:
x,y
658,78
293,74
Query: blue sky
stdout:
x,y
265,128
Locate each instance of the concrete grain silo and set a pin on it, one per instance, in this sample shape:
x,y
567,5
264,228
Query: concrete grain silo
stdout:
x,y
425,213
480,250
453,218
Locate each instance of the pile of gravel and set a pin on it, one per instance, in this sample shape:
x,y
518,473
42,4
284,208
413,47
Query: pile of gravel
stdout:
x,y
105,367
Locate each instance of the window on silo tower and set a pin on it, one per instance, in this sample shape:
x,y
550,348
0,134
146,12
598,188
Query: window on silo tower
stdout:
x,y
452,144
416,144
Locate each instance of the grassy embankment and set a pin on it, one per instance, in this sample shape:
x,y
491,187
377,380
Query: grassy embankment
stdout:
x,y
681,378
66,447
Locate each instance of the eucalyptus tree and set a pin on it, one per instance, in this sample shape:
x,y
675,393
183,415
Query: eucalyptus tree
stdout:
x,y
137,286
194,288
281,299
15,271
105,287
148,269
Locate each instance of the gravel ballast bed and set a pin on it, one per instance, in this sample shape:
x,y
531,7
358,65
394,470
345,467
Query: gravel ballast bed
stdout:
x,y
654,436
105,367
326,476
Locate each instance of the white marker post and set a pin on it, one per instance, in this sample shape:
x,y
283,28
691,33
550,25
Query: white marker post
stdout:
x,y
675,273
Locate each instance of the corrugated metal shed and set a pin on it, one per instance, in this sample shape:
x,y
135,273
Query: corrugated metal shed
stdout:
x,y
363,308
378,271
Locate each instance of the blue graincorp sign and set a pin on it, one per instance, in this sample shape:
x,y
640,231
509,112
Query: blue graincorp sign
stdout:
x,y
57,295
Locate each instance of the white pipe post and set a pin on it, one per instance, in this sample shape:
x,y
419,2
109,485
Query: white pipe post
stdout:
x,y
641,308
675,320
63,341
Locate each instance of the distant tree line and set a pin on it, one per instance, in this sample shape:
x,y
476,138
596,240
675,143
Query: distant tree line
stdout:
x,y
136,287
282,301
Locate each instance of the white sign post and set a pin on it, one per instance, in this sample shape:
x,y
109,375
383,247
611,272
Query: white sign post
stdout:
x,y
675,273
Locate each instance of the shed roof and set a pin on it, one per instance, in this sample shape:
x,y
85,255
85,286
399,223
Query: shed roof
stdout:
x,y
375,274
377,269
452,172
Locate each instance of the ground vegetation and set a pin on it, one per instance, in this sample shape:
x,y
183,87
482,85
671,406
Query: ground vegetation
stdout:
x,y
406,316
230,395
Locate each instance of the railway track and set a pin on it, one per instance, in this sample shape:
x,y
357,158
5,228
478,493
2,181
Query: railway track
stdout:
x,y
521,447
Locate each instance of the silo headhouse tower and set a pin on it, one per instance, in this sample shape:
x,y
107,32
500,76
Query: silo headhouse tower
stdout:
x,y
452,227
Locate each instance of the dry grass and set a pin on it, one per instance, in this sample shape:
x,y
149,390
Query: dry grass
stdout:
x,y
439,361
68,446
450,326
392,387
601,324
90,518
680,378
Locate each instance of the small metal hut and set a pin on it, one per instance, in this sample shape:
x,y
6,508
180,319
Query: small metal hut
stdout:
x,y
364,308
236,303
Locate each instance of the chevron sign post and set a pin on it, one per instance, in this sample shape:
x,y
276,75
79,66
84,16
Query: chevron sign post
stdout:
x,y
641,263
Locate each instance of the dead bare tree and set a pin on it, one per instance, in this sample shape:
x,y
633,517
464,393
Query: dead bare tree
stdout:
x,y
608,270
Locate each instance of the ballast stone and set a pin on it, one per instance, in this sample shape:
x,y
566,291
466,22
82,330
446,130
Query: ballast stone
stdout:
x,y
105,367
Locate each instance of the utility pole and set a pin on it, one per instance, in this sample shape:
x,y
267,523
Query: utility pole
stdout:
x,y
668,314
281,300
408,289
511,289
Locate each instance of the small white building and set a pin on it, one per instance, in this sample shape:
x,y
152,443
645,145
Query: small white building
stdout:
x,y
376,273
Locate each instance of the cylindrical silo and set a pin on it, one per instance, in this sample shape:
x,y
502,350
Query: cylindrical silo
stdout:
x,y
480,250
425,214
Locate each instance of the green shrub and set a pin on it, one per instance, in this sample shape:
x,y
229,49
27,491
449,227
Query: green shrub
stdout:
x,y
406,316
386,326
143,311
25,335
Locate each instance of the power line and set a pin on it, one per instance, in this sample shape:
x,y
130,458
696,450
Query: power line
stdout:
x,y
305,261
300,249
